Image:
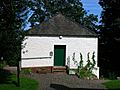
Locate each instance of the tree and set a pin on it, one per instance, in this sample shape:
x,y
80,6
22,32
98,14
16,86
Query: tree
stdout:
x,y
110,18
110,34
10,29
45,9
12,14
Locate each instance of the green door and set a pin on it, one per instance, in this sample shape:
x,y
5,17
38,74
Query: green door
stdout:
x,y
59,55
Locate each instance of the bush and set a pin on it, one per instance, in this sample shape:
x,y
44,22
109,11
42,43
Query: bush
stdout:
x,y
85,72
26,71
2,64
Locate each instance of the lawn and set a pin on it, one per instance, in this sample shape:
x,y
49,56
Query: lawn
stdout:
x,y
25,84
113,84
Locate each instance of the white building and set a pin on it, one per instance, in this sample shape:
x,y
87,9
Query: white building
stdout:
x,y
59,42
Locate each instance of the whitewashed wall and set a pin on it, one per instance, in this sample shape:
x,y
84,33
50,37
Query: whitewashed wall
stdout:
x,y
42,46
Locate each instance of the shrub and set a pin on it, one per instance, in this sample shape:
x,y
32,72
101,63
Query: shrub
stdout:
x,y
26,71
2,64
85,72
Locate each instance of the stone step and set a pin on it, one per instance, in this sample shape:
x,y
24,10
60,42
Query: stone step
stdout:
x,y
50,69
59,69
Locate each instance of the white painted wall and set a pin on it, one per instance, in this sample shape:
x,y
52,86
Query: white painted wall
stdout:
x,y
42,46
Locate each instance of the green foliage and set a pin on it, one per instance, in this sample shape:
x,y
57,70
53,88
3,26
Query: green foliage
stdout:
x,y
112,75
26,84
26,71
112,84
109,74
85,72
110,23
11,33
2,64
4,76
109,41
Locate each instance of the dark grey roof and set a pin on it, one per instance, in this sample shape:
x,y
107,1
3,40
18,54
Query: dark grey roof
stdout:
x,y
60,25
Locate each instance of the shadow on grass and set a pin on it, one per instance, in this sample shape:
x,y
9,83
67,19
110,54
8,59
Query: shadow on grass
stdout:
x,y
62,87
5,77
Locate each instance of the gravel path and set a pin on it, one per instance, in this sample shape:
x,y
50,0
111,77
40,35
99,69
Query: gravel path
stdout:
x,y
62,81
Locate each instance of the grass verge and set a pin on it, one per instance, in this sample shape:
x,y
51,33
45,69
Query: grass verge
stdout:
x,y
25,84
113,84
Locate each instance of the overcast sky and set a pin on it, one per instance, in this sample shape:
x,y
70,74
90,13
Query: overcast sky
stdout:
x,y
92,7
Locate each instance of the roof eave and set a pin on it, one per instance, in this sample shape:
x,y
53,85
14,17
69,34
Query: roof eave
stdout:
x,y
52,35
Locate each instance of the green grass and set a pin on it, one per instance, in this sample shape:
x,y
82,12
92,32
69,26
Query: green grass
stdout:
x,y
25,84
113,84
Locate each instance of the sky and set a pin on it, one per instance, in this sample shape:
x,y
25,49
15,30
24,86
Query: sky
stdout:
x,y
92,7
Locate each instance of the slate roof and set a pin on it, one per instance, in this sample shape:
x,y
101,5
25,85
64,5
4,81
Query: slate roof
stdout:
x,y
60,25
